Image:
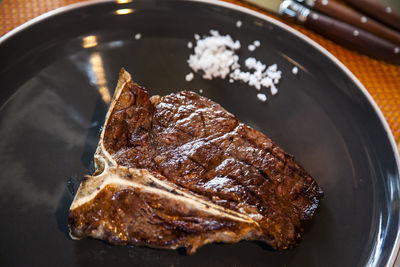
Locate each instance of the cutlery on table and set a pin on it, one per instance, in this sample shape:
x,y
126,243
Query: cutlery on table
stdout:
x,y
334,29
378,10
347,14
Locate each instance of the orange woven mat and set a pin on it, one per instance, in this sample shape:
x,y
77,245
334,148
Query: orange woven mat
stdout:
x,y
381,79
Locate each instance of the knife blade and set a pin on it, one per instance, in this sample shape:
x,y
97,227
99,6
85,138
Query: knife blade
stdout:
x,y
338,31
347,14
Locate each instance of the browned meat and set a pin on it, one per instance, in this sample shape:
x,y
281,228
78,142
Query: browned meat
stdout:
x,y
189,173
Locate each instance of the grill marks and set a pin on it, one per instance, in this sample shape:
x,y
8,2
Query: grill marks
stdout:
x,y
197,145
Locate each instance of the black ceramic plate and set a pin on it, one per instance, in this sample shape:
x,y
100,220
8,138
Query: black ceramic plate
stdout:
x,y
58,71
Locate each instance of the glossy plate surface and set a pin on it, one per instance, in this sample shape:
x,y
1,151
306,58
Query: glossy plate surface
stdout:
x,y
58,72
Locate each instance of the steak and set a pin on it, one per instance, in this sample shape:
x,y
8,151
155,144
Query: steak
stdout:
x,y
180,171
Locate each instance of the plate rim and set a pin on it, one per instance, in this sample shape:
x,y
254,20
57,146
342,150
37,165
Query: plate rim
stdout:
x,y
395,250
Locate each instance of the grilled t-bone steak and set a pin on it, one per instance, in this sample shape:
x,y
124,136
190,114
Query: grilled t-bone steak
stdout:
x,y
181,171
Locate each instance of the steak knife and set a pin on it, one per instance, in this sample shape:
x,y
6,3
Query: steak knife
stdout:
x,y
347,14
378,10
338,31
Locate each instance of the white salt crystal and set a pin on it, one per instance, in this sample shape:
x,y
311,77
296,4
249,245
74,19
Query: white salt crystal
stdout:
x,y
274,90
250,62
273,67
256,43
189,77
295,70
190,45
262,97
251,47
138,36
214,33
238,23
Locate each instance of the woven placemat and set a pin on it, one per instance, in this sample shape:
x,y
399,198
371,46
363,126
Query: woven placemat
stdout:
x,y
381,79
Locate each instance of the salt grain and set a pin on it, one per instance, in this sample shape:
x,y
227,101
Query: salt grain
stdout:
x,y
295,70
189,77
256,43
252,47
262,97
196,36
274,90
190,45
200,91
138,36
238,23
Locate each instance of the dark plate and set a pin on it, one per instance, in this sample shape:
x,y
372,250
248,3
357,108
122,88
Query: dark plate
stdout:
x,y
54,98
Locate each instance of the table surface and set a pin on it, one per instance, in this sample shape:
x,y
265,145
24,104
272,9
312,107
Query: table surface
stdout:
x,y
381,79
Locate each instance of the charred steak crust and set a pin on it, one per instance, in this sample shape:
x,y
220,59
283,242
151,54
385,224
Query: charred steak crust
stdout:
x,y
193,145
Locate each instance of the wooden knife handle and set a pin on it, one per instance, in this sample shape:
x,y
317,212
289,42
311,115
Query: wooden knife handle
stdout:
x,y
349,15
353,37
378,10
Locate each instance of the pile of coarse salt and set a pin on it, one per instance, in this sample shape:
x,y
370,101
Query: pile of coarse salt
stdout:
x,y
216,56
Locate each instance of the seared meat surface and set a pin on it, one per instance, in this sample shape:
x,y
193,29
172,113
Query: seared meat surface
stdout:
x,y
193,175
